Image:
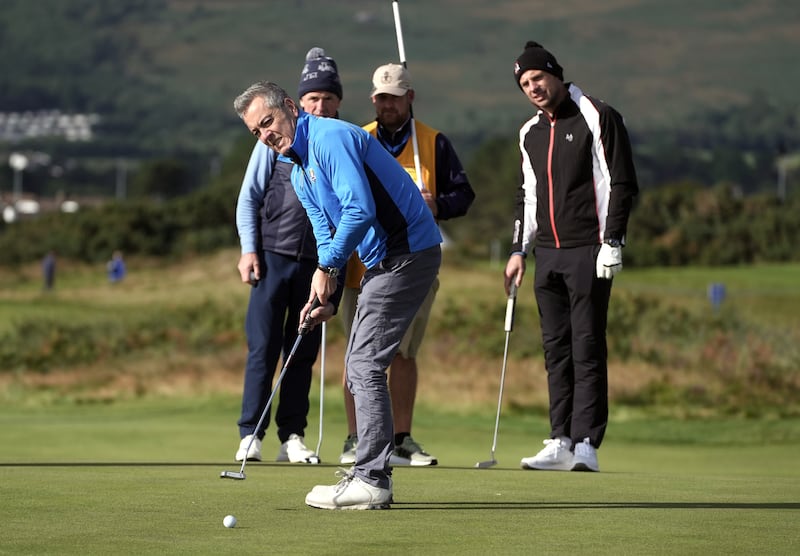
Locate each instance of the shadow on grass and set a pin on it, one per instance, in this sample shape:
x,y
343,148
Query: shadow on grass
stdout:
x,y
593,506
443,505
251,464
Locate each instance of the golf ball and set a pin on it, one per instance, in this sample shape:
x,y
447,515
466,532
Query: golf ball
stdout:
x,y
229,521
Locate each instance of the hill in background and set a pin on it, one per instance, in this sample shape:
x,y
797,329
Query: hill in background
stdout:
x,y
161,74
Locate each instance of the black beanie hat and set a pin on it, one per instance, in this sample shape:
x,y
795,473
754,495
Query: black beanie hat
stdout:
x,y
319,74
536,57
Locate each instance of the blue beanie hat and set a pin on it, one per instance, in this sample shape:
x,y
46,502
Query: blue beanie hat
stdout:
x,y
319,74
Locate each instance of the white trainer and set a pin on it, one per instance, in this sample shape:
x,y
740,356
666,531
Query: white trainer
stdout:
x,y
294,450
351,493
585,458
555,456
253,454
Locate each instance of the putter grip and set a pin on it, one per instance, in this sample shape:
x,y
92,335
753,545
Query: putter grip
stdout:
x,y
305,328
512,298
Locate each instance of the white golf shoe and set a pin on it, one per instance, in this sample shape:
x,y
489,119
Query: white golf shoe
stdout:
x,y
294,450
585,458
253,454
350,493
555,456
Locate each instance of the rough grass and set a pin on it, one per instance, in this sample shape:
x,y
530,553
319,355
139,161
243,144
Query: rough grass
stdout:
x,y
176,330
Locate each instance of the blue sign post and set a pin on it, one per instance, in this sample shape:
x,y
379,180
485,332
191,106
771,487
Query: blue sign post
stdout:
x,y
716,295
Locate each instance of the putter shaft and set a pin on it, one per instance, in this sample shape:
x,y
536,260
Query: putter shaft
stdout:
x,y
301,332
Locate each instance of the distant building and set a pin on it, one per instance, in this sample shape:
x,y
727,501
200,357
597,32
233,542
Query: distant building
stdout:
x,y
18,126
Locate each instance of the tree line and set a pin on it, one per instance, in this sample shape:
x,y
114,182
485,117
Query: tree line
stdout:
x,y
681,222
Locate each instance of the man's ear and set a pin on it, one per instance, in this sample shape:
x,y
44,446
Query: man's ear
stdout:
x,y
291,106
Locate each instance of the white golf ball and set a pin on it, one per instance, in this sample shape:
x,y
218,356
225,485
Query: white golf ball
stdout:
x,y
229,521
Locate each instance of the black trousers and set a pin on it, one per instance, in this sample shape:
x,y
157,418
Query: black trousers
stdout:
x,y
573,310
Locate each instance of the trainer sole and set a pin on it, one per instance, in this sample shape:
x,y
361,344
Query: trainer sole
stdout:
x,y
383,506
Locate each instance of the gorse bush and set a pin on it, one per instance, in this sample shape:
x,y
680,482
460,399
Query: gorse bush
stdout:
x,y
706,361
698,361
678,224
43,344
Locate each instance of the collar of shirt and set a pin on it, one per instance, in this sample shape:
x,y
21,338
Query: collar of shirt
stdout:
x,y
394,142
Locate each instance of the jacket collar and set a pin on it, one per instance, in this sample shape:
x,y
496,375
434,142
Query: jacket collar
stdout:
x,y
298,152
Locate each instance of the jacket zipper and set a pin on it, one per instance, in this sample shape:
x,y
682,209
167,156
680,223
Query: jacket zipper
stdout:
x,y
550,187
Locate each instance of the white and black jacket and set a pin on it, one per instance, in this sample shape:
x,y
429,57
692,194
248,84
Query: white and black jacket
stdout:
x,y
577,179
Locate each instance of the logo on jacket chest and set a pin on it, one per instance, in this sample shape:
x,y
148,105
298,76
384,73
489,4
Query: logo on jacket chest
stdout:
x,y
569,137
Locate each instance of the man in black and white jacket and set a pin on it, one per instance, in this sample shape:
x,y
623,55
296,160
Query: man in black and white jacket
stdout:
x,y
576,191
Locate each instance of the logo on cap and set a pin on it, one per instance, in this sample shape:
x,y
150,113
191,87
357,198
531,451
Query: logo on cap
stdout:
x,y
391,79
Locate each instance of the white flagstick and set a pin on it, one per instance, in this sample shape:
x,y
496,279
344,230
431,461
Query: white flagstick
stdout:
x,y
402,51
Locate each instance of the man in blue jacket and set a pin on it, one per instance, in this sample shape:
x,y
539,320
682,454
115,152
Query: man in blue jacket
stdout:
x,y
358,198
279,256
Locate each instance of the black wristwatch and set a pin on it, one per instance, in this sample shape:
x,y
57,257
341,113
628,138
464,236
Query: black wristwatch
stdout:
x,y
613,242
331,271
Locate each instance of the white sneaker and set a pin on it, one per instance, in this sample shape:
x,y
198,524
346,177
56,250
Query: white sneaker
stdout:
x,y
253,454
585,458
351,493
555,456
294,450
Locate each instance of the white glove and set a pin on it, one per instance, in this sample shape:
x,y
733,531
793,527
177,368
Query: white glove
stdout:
x,y
609,261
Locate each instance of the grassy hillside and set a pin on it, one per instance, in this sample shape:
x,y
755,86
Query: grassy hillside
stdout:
x,y
176,329
167,70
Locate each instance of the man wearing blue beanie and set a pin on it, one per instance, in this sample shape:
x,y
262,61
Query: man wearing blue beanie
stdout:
x,y
320,74
279,256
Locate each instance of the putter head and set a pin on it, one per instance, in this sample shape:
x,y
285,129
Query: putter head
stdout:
x,y
314,460
235,475
486,464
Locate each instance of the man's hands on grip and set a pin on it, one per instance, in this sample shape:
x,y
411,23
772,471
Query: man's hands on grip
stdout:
x,y
323,285
320,314
609,261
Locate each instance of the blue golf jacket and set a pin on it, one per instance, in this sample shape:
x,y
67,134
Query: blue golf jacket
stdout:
x,y
356,194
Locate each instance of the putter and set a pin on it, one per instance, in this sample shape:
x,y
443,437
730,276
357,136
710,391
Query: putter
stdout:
x,y
301,332
316,457
509,324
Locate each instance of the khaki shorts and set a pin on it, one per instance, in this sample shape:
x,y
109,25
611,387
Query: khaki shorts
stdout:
x,y
412,340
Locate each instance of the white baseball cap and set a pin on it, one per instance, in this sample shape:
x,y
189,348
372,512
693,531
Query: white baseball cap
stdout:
x,y
392,79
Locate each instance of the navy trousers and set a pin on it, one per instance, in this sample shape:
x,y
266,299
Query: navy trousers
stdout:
x,y
273,315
